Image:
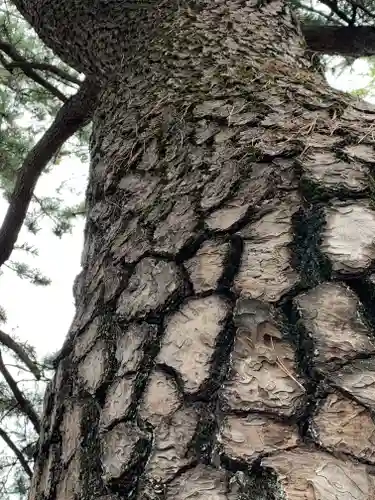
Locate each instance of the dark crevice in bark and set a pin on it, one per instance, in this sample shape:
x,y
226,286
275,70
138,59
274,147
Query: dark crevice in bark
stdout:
x,y
129,267
261,483
232,264
234,465
220,362
290,295
315,400
156,490
243,173
192,245
172,373
339,363
245,219
219,365
182,471
312,266
151,350
172,304
127,485
252,215
91,463
338,149
365,291
208,397
304,345
104,311
320,195
224,293
294,330
201,445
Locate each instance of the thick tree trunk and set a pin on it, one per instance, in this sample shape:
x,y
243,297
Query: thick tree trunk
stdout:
x,y
223,344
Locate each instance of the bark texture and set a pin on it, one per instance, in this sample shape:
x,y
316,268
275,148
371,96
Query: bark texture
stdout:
x,y
223,345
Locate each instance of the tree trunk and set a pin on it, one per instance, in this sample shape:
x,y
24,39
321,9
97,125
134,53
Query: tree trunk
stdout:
x,y
223,342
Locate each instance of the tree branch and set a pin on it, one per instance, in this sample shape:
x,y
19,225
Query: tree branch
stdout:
x,y
45,67
7,340
73,115
332,4
360,5
17,452
25,405
355,41
327,17
11,52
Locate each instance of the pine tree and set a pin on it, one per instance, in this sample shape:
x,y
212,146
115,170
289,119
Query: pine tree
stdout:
x,y
223,340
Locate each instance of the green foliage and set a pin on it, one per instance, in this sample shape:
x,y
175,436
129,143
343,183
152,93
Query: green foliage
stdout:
x,y
14,482
33,86
27,107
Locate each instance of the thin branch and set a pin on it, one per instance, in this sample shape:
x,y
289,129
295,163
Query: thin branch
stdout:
x,y
327,17
7,340
22,460
45,67
332,4
44,211
10,51
4,415
73,115
25,405
364,9
354,15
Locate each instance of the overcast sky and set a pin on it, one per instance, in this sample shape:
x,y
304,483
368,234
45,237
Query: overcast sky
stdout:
x,y
42,315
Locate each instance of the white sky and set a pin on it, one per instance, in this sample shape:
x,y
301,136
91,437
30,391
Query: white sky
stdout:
x,y
42,315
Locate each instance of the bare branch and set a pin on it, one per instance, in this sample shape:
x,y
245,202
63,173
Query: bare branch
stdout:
x,y
7,340
45,67
73,115
22,460
332,4
25,405
11,52
327,17
359,5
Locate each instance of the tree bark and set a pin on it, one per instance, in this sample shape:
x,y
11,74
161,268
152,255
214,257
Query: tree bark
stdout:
x,y
223,342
